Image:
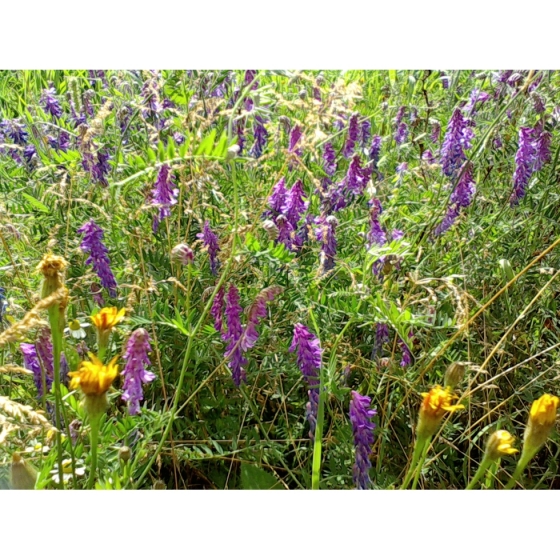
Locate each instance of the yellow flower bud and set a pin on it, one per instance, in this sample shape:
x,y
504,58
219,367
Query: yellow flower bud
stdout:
x,y
434,406
24,476
454,374
500,444
542,417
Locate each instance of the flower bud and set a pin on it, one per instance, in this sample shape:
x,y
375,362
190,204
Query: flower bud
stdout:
x,y
183,254
124,454
454,374
159,485
24,476
500,444
542,418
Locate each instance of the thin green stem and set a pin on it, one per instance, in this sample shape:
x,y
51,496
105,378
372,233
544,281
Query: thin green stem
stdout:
x,y
94,435
417,453
481,471
524,460
420,464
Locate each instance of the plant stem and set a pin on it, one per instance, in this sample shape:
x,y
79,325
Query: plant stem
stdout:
x,y
418,448
94,434
482,468
421,463
524,460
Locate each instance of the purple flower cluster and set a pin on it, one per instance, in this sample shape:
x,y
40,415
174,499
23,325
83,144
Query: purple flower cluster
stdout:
x,y
329,159
365,133
375,151
327,235
376,234
261,137
401,135
256,312
234,352
353,135
381,336
210,241
435,132
533,152
31,362
406,358
50,102
476,96
98,255
308,358
134,372
217,310
461,197
100,170
361,415
164,195
295,137
457,139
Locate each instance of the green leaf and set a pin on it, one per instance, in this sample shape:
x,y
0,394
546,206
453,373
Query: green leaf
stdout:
x,y
205,147
36,203
255,478
221,147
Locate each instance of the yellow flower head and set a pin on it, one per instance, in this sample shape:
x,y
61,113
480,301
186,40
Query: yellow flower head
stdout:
x,y
52,265
434,406
107,318
499,444
94,378
543,410
541,420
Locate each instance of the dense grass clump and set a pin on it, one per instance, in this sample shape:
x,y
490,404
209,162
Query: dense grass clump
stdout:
x,y
269,279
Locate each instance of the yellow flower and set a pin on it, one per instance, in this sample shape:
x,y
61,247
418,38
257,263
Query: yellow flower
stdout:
x,y
434,406
499,444
107,318
541,420
94,378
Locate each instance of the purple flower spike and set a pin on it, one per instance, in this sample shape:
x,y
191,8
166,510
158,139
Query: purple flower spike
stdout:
x,y
400,115
210,241
362,428
277,199
285,232
401,135
295,137
365,133
309,361
435,132
406,354
353,134
100,170
381,336
376,235
45,351
217,310
234,352
98,255
524,159
31,362
164,195
328,244
134,372
375,150
295,206
256,312
50,102
261,137
457,139
329,160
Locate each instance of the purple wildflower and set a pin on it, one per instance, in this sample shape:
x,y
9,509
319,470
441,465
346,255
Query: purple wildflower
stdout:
x,y
357,177
402,168
376,235
15,130
28,152
413,118
98,255
362,428
429,157
240,134
285,231
397,234
457,139
542,148
476,96
328,244
51,103
295,136
365,133
400,115
277,199
64,369
402,133
217,310
100,169
524,159
444,81
31,362
448,220
353,133
381,336
538,103
294,205
134,372
45,352
329,159
406,359
256,312
151,99
261,136
309,361
234,352
210,241
96,294
375,150
164,195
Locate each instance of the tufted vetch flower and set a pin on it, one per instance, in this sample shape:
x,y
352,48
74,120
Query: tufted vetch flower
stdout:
x,y
361,415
